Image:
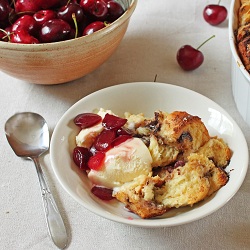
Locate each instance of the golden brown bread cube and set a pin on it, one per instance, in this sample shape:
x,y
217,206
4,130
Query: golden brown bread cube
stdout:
x,y
161,153
138,197
218,151
181,130
244,13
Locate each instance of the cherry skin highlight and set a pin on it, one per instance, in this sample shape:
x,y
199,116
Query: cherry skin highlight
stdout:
x,y
43,16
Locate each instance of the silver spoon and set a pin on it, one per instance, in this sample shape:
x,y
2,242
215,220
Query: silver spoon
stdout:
x,y
28,135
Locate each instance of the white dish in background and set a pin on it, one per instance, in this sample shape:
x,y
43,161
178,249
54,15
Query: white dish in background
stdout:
x,y
239,75
147,97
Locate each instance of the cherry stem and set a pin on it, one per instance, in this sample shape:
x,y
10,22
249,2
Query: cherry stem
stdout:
x,y
106,23
12,3
6,34
28,12
75,22
155,78
205,42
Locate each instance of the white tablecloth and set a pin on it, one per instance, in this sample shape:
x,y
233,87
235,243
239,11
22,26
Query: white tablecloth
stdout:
x,y
156,31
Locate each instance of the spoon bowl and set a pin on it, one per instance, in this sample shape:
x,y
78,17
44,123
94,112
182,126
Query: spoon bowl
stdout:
x,y
28,135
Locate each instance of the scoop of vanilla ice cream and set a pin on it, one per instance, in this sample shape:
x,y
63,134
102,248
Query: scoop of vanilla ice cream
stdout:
x,y
122,164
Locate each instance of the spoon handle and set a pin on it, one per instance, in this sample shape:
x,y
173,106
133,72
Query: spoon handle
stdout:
x,y
54,220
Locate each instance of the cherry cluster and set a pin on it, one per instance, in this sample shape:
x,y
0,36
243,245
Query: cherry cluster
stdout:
x,y
46,21
111,136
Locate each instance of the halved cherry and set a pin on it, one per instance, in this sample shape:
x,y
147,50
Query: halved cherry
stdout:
x,y
104,139
95,161
86,120
120,139
113,122
81,156
102,193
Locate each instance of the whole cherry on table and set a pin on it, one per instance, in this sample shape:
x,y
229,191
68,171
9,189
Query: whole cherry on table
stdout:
x,y
215,14
190,58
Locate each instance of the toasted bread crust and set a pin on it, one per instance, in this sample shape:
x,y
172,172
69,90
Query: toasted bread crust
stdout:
x,y
181,130
150,196
243,33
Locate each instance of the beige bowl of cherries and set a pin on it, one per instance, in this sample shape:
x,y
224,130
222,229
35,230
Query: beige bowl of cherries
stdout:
x,y
57,41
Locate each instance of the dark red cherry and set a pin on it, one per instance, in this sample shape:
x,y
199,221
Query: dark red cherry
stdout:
x,y
43,16
190,58
102,193
87,120
113,122
115,10
95,8
81,156
54,30
26,23
4,10
93,27
65,13
215,14
104,139
22,36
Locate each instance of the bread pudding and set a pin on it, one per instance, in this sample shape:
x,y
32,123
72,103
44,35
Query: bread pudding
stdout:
x,y
155,164
243,33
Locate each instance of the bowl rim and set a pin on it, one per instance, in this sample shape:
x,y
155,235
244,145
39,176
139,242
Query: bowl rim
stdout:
x,y
87,39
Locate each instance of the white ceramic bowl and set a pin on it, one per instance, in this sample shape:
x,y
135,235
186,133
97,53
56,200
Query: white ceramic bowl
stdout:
x,y
240,76
147,97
